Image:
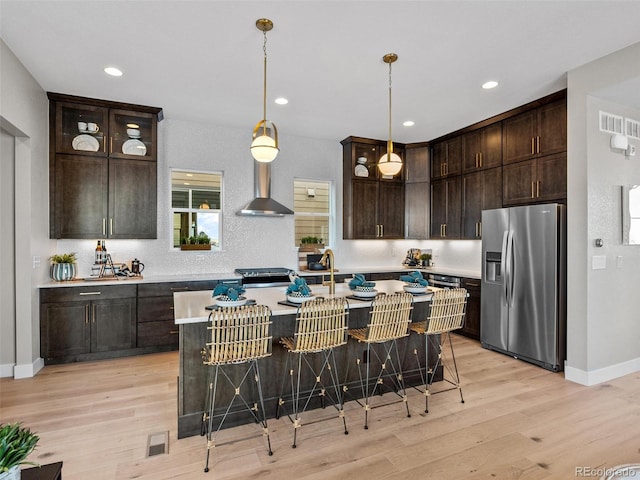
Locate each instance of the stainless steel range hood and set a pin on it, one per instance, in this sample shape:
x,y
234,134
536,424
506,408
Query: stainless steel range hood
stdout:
x,y
263,204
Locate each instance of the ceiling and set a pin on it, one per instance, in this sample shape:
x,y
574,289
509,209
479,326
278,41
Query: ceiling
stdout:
x,y
202,60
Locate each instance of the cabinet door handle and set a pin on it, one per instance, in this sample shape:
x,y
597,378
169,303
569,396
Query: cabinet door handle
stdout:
x,y
381,230
86,314
480,158
477,230
93,313
538,144
111,226
480,229
533,151
174,332
445,229
110,144
175,289
104,226
469,284
90,293
538,189
532,189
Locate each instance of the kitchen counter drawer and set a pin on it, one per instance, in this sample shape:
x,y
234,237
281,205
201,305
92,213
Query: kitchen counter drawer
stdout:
x,y
162,332
151,309
168,289
97,292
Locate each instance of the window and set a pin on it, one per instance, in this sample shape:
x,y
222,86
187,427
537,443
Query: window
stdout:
x,y
196,206
312,210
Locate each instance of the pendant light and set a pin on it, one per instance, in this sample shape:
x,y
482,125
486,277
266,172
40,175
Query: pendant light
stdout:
x,y
264,146
390,163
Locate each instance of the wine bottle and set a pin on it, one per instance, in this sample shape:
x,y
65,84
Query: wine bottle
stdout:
x,y
98,254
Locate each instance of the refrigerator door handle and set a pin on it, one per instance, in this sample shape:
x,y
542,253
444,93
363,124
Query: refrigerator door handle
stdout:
x,y
511,268
504,265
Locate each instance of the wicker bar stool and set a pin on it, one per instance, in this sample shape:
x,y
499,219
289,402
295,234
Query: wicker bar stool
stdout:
x,y
321,326
389,320
447,314
240,336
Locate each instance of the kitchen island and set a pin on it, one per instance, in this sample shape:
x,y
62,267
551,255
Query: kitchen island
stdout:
x,y
192,316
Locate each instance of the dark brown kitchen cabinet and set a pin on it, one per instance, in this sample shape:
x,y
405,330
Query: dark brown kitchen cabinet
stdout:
x,y
417,210
446,158
373,206
86,323
103,179
535,181
482,148
535,133
471,326
446,208
417,163
480,191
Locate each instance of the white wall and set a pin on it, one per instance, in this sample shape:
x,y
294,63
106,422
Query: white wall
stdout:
x,y
603,305
24,115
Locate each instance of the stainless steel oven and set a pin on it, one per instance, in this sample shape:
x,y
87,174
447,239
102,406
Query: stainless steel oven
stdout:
x,y
264,277
443,281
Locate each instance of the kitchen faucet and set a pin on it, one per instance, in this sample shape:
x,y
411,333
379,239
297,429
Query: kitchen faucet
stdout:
x,y
328,254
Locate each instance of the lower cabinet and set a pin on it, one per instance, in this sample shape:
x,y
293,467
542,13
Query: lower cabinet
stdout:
x,y
472,321
84,323
156,322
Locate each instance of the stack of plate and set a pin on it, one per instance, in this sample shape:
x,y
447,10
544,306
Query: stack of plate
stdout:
x,y
85,143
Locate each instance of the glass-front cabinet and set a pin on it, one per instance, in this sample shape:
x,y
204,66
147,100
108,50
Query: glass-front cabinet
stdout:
x,y
103,181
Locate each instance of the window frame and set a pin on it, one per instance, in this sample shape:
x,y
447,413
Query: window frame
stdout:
x,y
330,214
191,210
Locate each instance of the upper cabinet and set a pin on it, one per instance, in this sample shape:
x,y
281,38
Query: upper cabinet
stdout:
x,y
482,149
103,171
446,158
535,133
373,204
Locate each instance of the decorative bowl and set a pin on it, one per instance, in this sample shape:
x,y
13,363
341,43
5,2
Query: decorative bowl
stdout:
x,y
367,292
224,301
414,288
294,298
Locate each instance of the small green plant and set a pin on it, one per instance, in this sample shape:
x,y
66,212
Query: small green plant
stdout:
x,y
63,258
309,240
203,239
426,258
16,443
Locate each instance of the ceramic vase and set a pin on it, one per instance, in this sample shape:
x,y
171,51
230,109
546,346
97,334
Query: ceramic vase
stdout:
x,y
62,272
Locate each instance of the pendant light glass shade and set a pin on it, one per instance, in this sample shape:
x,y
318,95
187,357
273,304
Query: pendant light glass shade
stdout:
x,y
390,163
264,146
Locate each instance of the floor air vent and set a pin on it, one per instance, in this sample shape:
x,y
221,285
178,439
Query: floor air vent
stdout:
x,y
157,444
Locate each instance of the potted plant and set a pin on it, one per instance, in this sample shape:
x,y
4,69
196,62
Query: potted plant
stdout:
x,y
426,259
311,244
16,443
63,267
196,242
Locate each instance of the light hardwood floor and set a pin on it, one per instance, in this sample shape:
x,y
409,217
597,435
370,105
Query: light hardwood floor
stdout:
x,y
519,422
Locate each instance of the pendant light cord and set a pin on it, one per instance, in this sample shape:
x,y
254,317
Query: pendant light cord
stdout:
x,y
264,84
390,142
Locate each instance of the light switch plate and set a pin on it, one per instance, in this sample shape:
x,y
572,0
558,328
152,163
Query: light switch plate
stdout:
x,y
598,262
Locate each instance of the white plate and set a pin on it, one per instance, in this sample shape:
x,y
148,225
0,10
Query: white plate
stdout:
x,y
299,299
369,294
230,303
361,171
86,143
134,147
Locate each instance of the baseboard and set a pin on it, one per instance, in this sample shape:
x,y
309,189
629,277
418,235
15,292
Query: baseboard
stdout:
x,y
28,370
593,377
6,370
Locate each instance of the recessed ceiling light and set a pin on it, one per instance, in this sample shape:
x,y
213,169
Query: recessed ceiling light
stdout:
x,y
113,71
281,101
490,84
409,123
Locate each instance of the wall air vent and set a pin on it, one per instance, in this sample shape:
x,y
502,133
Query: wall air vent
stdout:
x,y
610,123
632,128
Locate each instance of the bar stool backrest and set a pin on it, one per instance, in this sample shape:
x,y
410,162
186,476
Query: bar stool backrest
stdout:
x,y
239,334
321,325
447,311
390,317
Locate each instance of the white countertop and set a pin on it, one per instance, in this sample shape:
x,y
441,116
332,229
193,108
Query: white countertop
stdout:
x,y
234,276
189,307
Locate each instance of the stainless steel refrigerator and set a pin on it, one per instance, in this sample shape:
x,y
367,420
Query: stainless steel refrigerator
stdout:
x,y
523,307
